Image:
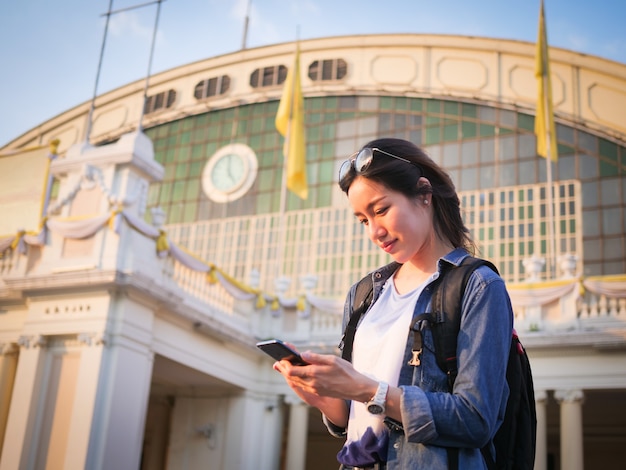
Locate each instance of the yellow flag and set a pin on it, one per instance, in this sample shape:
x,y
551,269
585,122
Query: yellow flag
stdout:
x,y
544,118
290,123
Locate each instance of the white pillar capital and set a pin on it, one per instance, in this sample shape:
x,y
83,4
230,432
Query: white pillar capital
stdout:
x,y
569,396
32,341
92,338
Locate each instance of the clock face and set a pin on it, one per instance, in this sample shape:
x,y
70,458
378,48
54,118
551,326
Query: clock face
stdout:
x,y
229,173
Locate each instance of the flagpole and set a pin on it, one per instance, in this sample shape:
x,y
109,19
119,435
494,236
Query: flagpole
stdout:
x,y
551,215
282,234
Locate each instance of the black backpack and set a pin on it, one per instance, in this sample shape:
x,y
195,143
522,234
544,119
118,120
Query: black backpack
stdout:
x,y
515,441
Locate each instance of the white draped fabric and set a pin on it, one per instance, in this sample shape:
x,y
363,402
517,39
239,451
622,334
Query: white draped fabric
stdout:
x,y
610,286
536,294
523,294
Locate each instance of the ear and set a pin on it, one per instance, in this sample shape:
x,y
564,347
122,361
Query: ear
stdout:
x,y
425,190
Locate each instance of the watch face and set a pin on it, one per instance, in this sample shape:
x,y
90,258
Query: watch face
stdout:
x,y
375,409
229,173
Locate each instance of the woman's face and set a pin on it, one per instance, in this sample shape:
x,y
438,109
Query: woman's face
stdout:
x,y
400,226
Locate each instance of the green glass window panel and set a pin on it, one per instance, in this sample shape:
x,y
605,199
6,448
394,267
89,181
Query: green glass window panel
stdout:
x,y
187,124
327,149
256,125
264,203
165,195
526,121
313,133
195,168
511,249
192,190
608,169
190,210
182,169
174,127
608,149
271,139
505,131
433,106
451,107
417,104
314,118
159,156
212,132
469,110
565,150
202,120
315,103
197,135
432,120
178,191
175,214
169,172
326,170
328,133
487,130
255,141
502,250
270,124
184,153
491,233
170,155
210,149
185,138
572,226
402,103
386,102
331,102
432,135
242,127
347,115
521,249
521,211
481,233
544,246
153,194
451,132
272,107
469,129
268,158
197,152
266,179
324,197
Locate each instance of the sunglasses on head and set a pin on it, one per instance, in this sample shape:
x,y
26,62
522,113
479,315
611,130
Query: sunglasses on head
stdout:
x,y
363,161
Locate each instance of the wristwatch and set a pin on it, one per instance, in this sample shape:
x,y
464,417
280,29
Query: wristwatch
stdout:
x,y
376,405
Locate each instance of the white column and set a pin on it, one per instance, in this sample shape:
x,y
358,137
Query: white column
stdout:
x,y
541,455
298,433
571,428
83,411
8,366
15,451
117,429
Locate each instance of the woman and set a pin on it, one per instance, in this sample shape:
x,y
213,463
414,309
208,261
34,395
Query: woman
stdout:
x,y
410,209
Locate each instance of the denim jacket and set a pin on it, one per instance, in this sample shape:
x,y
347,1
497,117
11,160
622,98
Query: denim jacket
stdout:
x,y
467,418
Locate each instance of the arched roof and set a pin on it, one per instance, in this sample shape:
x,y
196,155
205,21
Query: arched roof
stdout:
x,y
588,91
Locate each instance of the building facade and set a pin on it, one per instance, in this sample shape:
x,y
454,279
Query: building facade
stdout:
x,y
128,317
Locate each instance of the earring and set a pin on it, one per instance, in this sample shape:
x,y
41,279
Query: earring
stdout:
x,y
426,201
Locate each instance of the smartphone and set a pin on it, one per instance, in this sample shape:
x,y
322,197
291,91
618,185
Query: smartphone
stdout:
x,y
279,351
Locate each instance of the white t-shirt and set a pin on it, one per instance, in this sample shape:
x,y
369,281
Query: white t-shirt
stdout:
x,y
378,352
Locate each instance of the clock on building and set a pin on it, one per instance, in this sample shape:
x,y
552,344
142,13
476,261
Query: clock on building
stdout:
x,y
229,173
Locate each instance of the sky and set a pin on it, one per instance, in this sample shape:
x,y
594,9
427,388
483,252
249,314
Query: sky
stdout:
x,y
50,50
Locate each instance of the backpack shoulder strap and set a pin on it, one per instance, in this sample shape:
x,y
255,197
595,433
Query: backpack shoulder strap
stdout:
x,y
362,300
446,322
446,307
